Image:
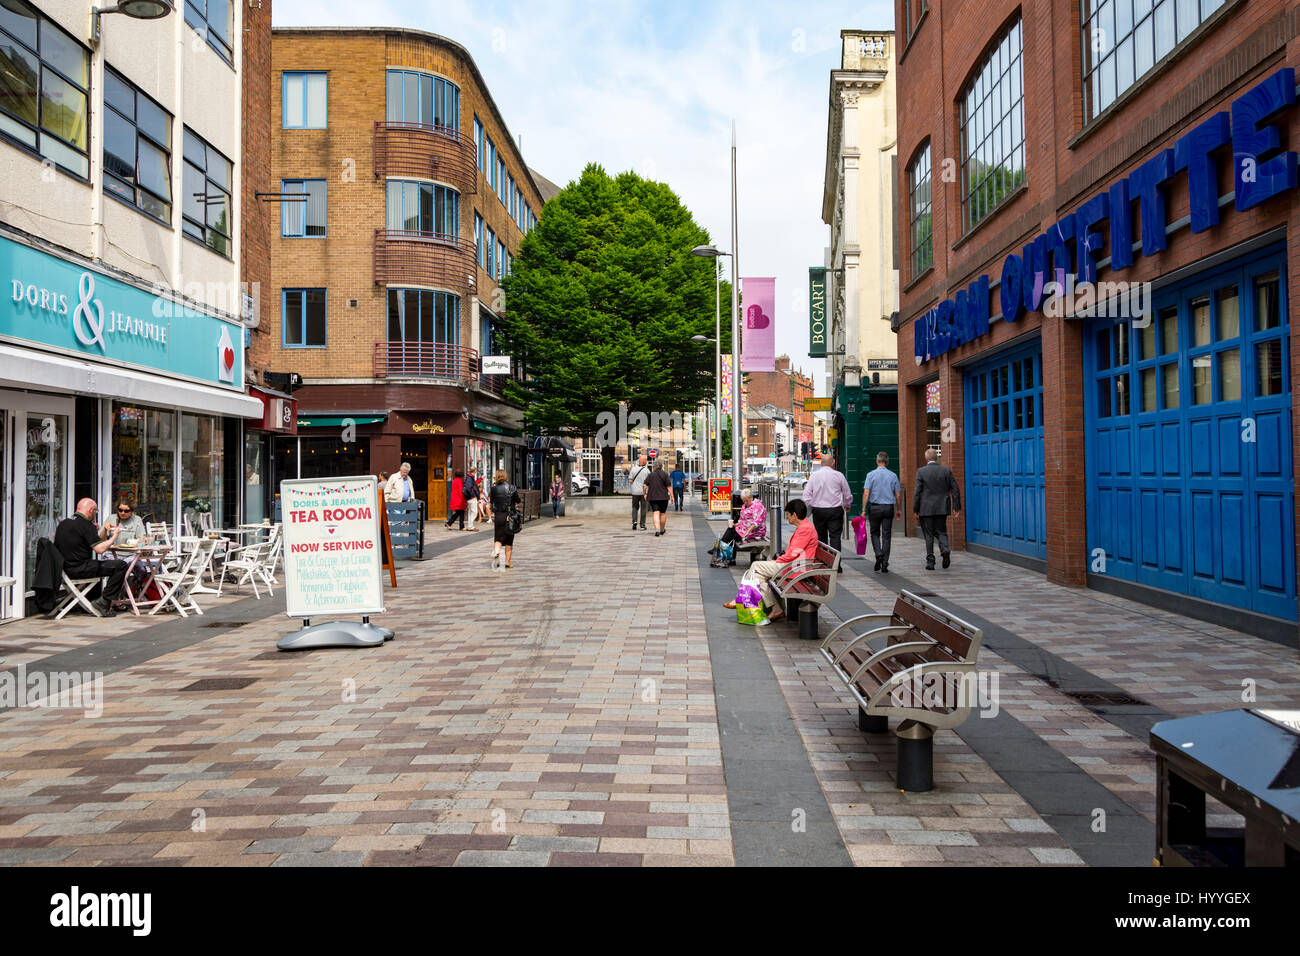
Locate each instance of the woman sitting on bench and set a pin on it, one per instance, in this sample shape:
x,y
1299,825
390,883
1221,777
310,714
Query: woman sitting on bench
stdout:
x,y
803,547
750,526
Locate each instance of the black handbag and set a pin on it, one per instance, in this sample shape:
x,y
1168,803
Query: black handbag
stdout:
x,y
514,521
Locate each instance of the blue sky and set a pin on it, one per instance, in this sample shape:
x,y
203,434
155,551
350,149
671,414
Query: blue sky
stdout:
x,y
653,87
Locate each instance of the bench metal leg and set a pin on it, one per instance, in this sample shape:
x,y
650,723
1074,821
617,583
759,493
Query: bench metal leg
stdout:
x,y
808,621
870,724
915,756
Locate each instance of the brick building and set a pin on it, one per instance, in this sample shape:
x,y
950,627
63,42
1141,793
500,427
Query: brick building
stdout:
x,y
1143,445
784,389
402,196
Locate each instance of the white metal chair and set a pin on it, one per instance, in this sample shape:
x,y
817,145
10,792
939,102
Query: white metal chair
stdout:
x,y
252,563
178,586
77,589
277,534
159,531
205,521
189,526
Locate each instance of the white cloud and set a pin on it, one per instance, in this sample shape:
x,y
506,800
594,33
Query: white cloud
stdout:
x,y
654,86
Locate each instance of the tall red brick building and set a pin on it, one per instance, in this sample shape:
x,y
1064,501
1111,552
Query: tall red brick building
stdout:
x,y
1143,155
401,197
786,388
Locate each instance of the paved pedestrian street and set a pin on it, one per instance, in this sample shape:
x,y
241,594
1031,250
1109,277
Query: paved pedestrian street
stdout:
x,y
596,706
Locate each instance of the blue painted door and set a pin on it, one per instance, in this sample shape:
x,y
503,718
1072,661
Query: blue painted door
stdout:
x,y
1189,440
1004,452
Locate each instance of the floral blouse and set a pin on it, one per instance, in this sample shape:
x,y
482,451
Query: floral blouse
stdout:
x,y
752,524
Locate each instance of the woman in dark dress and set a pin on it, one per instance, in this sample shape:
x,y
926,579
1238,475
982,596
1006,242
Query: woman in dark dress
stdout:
x,y
502,498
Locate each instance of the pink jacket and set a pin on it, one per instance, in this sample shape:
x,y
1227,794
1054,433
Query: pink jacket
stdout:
x,y
752,524
803,543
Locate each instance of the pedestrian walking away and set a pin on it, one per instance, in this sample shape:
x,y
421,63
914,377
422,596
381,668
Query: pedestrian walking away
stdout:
x,y
637,476
679,487
803,547
456,504
936,496
828,497
470,489
557,494
658,488
882,503
504,499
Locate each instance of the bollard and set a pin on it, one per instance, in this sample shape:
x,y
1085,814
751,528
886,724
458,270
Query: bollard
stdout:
x,y
915,757
808,622
871,724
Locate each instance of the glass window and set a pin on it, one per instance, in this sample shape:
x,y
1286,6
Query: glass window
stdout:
x,y
44,79
1169,330
303,318
992,130
501,179
144,457
1148,377
1124,39
202,448
1202,393
478,239
1146,336
416,315
304,98
1122,394
1267,313
1103,398
478,140
425,100
920,212
1229,321
205,206
1121,344
491,252
1230,375
303,218
1268,368
1170,376
425,208
501,259
137,148
211,19
1200,308
490,158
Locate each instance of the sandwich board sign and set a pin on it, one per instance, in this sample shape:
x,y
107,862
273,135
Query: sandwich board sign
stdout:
x,y
333,560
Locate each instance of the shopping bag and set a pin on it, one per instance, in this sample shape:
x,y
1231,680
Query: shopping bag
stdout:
x,y
860,532
755,616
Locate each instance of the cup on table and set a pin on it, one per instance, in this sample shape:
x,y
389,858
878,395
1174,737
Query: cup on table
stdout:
x,y
131,542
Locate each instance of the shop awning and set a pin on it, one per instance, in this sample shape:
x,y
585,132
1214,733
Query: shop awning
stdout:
x,y
54,373
336,421
495,429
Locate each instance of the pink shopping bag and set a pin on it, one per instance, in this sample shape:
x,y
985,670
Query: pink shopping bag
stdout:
x,y
860,533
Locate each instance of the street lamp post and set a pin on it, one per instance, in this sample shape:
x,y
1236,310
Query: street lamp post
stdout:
x,y
712,253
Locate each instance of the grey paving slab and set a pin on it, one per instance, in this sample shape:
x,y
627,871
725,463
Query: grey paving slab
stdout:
x,y
763,757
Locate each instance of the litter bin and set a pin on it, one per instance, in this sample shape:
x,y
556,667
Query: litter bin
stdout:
x,y
594,487
735,508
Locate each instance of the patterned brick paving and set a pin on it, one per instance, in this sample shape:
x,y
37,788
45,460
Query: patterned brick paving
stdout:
x,y
559,713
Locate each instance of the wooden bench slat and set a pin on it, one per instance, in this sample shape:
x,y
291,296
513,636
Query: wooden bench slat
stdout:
x,y
951,638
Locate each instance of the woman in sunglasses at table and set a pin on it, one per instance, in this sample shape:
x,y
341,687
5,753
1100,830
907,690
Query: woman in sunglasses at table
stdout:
x,y
132,526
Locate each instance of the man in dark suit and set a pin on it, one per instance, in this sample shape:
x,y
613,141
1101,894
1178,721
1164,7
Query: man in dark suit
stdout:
x,y
935,488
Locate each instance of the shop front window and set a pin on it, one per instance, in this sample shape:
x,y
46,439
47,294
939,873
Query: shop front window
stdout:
x,y
144,460
202,467
47,437
331,458
254,477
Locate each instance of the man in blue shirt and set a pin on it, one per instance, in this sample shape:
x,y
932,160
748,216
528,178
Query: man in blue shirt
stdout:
x,y
679,486
882,502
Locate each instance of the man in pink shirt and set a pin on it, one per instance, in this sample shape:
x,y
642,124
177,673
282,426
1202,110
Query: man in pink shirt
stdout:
x,y
827,495
802,547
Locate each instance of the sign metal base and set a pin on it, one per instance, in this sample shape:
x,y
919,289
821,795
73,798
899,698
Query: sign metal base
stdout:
x,y
335,634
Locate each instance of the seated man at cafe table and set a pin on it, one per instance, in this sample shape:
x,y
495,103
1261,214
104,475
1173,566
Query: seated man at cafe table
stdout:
x,y
126,519
77,539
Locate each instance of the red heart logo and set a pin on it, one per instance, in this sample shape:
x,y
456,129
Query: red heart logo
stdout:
x,y
229,356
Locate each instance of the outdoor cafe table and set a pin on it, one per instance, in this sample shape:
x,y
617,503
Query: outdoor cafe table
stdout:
x,y
151,555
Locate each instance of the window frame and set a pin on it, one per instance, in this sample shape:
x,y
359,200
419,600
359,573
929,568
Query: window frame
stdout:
x,y
478,239
452,320
38,130
978,205
438,91
478,141
451,236
221,47
285,77
914,216
186,166
285,208
325,316
165,147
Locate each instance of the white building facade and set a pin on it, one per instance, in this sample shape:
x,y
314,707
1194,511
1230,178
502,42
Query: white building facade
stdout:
x,y
121,341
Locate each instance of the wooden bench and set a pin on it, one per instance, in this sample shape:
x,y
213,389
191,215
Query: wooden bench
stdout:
x,y
805,585
759,550
913,664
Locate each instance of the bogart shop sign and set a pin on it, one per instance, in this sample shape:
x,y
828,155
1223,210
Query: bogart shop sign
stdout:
x,y
1063,258
59,305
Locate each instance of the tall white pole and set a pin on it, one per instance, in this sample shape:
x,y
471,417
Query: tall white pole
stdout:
x,y
717,361
737,413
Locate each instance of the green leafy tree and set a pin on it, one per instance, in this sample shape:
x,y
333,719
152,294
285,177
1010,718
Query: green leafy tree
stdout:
x,y
601,304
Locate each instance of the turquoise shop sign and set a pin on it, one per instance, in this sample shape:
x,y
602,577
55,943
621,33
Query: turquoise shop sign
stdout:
x,y
49,301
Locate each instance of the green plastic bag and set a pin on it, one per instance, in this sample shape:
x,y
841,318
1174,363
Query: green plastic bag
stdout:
x,y
751,615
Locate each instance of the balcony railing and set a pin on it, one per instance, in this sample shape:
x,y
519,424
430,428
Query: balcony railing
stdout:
x,y
426,360
424,258
429,152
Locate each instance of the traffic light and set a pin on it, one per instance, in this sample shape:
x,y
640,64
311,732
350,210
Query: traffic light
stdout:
x,y
780,447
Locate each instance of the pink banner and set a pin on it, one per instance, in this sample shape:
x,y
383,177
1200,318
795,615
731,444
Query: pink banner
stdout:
x,y
758,337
